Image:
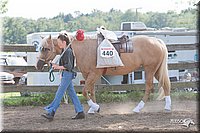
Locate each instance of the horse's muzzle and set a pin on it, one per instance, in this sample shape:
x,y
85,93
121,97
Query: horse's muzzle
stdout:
x,y
40,65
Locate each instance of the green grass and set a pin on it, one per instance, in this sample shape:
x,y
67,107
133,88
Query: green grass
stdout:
x,y
108,97
41,99
8,95
184,96
15,99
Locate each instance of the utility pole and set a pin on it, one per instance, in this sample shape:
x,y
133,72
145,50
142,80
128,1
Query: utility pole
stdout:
x,y
136,12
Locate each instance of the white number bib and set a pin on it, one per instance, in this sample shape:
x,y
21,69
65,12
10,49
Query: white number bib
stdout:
x,y
107,52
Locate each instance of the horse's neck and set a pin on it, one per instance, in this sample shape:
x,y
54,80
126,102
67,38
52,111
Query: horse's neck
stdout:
x,y
84,48
84,44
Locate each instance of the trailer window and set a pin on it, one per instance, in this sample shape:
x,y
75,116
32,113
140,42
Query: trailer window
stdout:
x,y
126,26
137,75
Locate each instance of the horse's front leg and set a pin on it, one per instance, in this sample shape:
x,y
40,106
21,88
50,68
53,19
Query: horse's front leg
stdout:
x,y
92,93
89,86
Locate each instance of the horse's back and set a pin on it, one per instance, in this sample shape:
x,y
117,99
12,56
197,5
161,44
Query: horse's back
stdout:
x,y
147,39
148,49
143,42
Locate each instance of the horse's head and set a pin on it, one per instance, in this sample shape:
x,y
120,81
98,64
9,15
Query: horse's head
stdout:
x,y
48,50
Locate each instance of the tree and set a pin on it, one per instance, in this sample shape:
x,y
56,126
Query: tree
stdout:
x,y
129,15
65,18
68,17
3,6
157,20
15,29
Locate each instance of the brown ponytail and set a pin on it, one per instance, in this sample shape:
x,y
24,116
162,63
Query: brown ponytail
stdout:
x,y
64,37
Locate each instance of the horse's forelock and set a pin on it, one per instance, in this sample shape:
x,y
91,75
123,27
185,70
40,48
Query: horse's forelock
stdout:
x,y
47,42
43,42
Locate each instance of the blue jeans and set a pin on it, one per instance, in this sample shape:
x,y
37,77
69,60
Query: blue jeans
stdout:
x,y
66,84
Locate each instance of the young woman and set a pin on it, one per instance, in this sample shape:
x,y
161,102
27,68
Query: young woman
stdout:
x,y
66,64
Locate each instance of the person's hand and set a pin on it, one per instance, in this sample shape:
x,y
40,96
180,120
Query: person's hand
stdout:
x,y
55,66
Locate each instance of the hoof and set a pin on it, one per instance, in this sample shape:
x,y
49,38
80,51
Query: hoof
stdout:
x,y
167,110
139,107
136,110
98,110
90,113
92,110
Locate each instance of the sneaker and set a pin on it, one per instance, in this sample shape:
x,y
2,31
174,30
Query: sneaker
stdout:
x,y
80,115
49,116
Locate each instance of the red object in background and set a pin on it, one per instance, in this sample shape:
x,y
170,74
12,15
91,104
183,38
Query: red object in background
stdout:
x,y
82,82
80,35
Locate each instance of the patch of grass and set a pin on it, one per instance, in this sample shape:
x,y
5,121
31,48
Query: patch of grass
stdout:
x,y
41,99
108,97
185,96
102,97
9,94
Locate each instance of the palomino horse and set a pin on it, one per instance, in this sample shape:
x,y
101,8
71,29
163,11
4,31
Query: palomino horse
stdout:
x,y
149,52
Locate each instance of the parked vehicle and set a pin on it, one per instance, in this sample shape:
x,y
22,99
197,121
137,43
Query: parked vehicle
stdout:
x,y
133,26
6,78
10,59
23,79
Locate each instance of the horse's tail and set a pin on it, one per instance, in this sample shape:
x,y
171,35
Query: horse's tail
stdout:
x,y
163,78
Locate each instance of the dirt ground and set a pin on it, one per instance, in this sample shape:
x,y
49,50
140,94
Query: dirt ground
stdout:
x,y
117,117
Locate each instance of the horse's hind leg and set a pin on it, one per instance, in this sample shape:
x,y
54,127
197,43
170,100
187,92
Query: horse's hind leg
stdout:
x,y
167,98
166,88
149,86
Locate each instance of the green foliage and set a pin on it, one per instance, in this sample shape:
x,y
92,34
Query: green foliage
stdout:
x,y
28,99
108,97
102,97
42,99
185,96
3,6
158,20
15,29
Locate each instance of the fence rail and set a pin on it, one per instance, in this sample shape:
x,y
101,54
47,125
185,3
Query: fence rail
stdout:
x,y
98,88
31,48
17,48
171,66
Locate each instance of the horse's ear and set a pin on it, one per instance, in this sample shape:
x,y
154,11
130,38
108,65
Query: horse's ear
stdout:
x,y
50,36
42,37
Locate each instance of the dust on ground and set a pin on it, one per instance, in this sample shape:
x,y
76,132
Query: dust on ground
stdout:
x,y
112,117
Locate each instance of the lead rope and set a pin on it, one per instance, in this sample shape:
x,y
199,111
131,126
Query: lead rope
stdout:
x,y
51,75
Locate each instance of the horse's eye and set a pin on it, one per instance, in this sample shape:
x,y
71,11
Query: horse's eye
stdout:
x,y
41,48
47,49
44,49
